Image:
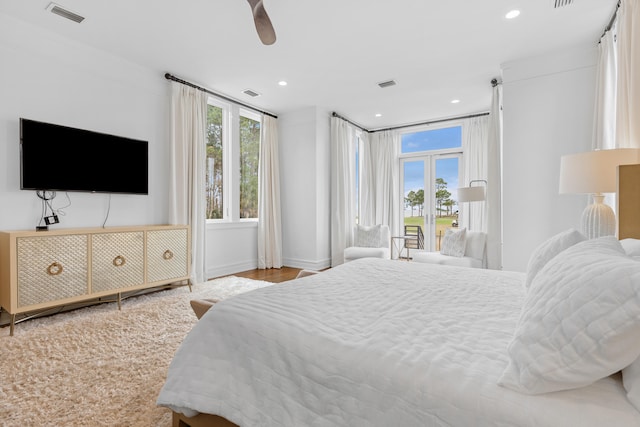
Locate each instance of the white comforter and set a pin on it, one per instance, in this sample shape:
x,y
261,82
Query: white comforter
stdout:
x,y
374,343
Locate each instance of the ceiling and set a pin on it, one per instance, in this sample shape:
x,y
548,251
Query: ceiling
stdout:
x,y
333,53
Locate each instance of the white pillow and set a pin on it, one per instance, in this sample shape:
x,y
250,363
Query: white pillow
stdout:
x,y
454,242
368,237
579,321
631,246
549,249
631,382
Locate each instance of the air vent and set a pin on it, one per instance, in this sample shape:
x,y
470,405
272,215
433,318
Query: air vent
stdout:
x,y
65,13
387,83
561,3
251,93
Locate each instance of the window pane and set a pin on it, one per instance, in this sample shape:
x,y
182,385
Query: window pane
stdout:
x,y
436,139
249,151
213,183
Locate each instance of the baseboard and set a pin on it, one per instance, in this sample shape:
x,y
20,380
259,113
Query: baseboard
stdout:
x,y
307,265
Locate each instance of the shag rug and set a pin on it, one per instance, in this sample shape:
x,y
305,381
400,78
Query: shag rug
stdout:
x,y
98,366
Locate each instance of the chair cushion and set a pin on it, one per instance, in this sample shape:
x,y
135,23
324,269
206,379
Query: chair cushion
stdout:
x,y
454,242
476,244
368,237
355,252
438,258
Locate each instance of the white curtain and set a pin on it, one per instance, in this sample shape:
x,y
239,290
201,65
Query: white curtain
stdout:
x,y
186,191
269,218
494,182
628,85
343,187
475,148
380,185
604,121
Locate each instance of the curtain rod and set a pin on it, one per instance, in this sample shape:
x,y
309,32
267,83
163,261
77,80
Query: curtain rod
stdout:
x,y
611,21
226,98
334,114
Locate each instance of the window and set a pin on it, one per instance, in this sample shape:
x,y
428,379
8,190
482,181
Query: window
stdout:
x,y
233,137
214,166
430,163
249,152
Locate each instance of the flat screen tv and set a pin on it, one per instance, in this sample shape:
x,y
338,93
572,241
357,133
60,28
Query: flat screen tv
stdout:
x,y
61,158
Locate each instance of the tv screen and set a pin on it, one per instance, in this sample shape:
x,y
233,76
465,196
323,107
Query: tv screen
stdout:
x,y
61,158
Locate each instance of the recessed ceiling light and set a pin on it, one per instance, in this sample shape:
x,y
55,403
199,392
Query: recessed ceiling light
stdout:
x,y
455,101
282,83
512,14
378,115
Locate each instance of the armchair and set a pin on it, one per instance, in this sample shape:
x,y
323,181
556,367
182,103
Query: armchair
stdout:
x,y
368,242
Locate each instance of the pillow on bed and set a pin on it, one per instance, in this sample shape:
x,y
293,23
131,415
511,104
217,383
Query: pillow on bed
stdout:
x,y
454,242
631,382
549,249
368,237
579,320
631,246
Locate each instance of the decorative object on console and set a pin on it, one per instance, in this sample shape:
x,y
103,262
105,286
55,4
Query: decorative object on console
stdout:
x,y
594,173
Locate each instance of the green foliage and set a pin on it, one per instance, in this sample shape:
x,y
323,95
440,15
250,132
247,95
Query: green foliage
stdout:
x,y
213,167
249,155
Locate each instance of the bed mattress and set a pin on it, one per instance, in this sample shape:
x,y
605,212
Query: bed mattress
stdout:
x,y
374,342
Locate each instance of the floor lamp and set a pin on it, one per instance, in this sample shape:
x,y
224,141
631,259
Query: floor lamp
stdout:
x,y
595,173
472,193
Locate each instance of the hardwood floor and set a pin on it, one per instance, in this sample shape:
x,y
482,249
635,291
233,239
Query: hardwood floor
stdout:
x,y
275,275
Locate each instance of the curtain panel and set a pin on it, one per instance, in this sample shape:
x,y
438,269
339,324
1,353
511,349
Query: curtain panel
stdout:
x,y
187,169
494,182
380,185
628,78
269,214
475,149
343,188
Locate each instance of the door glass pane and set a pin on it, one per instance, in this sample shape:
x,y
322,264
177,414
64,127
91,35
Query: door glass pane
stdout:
x,y
414,224
435,139
446,183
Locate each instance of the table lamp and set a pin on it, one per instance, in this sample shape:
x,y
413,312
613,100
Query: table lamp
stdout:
x,y
595,173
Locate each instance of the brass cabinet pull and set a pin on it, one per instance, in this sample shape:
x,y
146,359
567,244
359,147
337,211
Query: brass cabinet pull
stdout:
x,y
167,254
119,261
54,269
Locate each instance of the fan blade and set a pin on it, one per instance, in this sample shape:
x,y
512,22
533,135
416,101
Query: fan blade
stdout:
x,y
263,24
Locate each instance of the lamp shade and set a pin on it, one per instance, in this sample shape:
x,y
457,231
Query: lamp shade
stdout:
x,y
471,194
594,171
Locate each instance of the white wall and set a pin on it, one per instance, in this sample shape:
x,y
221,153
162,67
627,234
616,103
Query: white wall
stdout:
x,y
304,180
548,112
49,78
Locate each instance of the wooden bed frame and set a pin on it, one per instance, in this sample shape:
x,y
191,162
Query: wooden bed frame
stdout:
x,y
200,420
628,201
628,227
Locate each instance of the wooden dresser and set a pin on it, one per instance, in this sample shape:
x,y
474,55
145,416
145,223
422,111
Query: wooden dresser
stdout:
x,y
44,269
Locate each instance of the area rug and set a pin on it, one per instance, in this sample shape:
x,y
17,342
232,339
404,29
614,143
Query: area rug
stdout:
x,y
99,366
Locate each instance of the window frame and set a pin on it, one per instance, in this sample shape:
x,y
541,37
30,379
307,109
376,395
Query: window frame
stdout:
x,y
231,156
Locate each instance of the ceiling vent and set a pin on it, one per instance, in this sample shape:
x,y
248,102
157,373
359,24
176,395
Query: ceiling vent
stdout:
x,y
561,3
251,93
387,83
65,13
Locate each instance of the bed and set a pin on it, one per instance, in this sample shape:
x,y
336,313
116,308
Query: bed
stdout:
x,y
378,342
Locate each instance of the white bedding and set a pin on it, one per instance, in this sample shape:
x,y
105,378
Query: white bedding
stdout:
x,y
374,342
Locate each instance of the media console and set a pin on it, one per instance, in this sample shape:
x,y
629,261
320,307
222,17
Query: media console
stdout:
x,y
40,270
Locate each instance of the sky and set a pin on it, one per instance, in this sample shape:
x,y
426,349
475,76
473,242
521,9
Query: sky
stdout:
x,y
435,139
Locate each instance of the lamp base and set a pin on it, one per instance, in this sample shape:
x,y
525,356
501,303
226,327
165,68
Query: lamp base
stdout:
x,y
598,219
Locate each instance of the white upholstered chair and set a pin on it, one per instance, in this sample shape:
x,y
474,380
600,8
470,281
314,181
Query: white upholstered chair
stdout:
x,y
369,242
474,255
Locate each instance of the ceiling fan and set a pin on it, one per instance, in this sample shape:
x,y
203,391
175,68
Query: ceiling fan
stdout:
x,y
263,24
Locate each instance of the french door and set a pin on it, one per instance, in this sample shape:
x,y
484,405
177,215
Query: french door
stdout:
x,y
428,184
